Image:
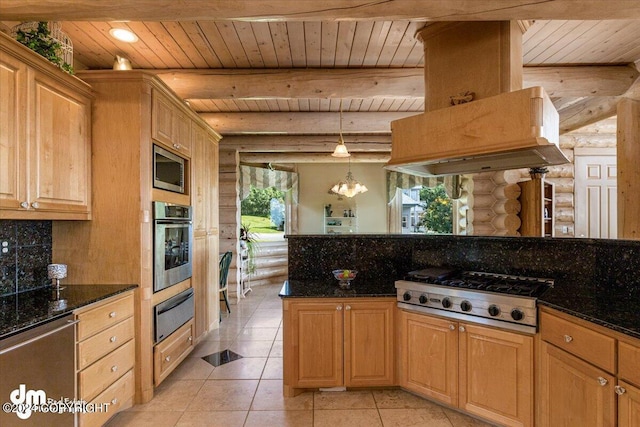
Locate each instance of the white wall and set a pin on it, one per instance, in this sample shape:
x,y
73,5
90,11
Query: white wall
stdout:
x,y
315,181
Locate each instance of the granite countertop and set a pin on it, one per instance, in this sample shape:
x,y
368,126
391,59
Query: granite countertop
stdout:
x,y
616,310
28,309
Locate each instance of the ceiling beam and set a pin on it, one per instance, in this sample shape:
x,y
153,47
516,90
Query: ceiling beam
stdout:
x,y
327,10
313,158
586,112
570,81
306,143
302,123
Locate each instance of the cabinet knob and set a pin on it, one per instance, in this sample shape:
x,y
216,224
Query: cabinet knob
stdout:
x,y
452,327
348,307
462,329
602,381
339,308
190,339
568,338
112,314
113,339
114,368
114,401
167,359
35,205
620,390
24,205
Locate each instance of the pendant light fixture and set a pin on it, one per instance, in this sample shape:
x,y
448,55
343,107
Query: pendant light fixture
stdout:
x,y
341,149
349,187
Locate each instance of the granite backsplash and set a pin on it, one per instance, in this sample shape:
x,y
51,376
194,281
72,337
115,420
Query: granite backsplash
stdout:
x,y
25,252
603,265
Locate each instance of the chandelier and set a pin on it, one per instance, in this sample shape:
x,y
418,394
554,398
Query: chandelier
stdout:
x,y
349,187
341,149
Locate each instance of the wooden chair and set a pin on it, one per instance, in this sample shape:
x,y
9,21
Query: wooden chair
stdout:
x,y
225,262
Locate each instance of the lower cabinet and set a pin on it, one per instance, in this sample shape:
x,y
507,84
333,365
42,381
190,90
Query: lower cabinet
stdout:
x,y
483,371
338,342
168,354
578,382
106,357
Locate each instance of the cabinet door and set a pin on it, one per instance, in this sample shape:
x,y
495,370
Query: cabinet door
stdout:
x,y
199,283
60,148
369,343
429,356
13,190
573,392
162,119
316,343
496,375
199,179
628,406
182,132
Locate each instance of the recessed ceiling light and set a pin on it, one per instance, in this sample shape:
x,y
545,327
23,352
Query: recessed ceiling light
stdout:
x,y
123,35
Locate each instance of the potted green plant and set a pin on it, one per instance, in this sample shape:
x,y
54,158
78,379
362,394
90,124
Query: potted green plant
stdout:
x,y
248,241
37,37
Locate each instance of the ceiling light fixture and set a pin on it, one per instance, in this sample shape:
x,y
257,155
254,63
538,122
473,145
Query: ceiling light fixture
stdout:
x,y
123,35
341,149
349,187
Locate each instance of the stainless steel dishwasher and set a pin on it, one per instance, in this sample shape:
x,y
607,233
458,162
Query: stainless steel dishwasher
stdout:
x,y
39,359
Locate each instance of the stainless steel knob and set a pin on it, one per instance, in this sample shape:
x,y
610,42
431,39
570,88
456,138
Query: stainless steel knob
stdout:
x,y
620,390
112,314
452,327
602,381
568,338
461,329
190,339
114,368
112,339
24,205
35,205
114,401
167,359
339,308
348,307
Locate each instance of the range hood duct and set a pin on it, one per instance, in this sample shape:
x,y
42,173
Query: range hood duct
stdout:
x,y
506,127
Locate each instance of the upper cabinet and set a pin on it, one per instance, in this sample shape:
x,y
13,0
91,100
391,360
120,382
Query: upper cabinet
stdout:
x,y
45,142
537,213
169,125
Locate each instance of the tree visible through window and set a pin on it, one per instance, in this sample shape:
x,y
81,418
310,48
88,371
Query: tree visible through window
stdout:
x,y
437,215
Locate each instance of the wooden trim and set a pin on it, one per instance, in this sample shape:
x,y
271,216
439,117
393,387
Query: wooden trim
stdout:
x,y
594,151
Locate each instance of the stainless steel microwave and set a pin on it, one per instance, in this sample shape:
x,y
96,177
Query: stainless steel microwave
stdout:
x,y
168,170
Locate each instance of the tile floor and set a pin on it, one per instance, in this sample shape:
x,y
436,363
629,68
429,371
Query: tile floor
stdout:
x,y
248,392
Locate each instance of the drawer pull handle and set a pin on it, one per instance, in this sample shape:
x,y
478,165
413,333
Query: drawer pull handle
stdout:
x,y
167,359
451,327
568,338
339,308
114,401
462,329
112,339
114,368
112,314
602,381
620,390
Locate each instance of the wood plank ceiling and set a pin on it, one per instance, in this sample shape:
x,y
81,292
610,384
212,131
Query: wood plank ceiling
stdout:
x,y
291,76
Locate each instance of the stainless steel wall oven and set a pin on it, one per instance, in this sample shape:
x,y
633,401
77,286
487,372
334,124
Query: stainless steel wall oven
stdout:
x,y
173,244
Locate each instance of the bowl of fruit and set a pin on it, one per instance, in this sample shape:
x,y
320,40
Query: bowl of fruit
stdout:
x,y
344,277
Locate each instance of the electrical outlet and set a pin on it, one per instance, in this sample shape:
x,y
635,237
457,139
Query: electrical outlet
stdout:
x,y
565,229
5,247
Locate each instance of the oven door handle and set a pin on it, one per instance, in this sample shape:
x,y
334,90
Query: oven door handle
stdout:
x,y
175,304
176,221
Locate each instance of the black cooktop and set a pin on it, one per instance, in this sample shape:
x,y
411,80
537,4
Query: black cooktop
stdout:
x,y
482,281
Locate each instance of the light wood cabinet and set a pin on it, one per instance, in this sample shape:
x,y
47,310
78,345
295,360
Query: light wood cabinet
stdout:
x,y
45,143
588,374
338,342
106,356
537,208
169,353
455,363
170,126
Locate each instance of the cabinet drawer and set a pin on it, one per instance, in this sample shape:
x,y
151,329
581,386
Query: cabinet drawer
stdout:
x,y
104,316
592,346
104,342
629,362
116,395
106,371
170,352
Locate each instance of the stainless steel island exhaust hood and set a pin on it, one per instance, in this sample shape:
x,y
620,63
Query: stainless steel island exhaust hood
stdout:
x,y
505,127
